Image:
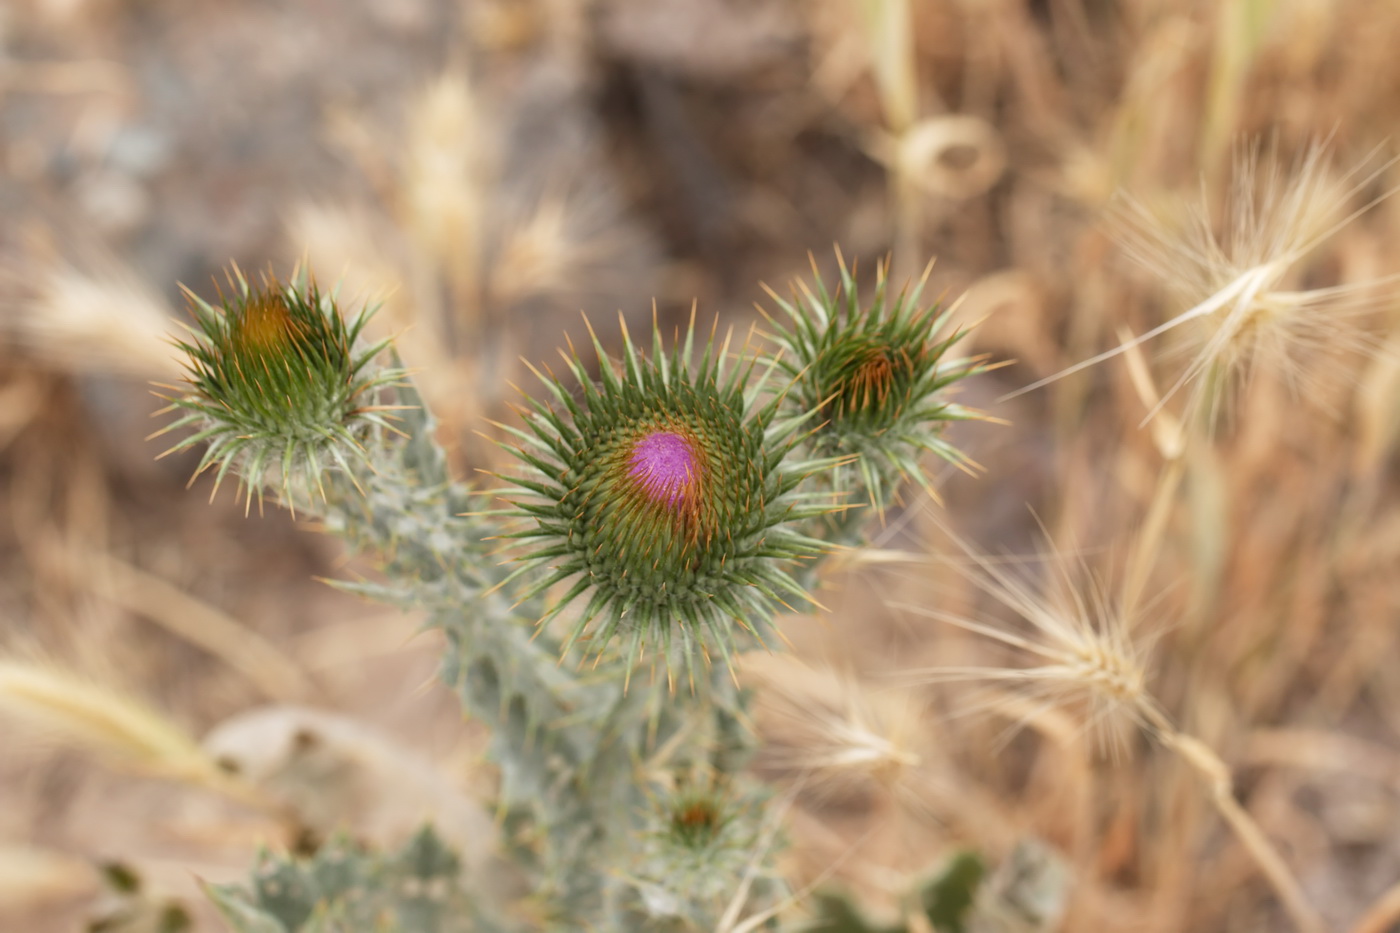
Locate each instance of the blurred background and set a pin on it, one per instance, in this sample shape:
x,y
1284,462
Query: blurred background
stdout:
x,y
490,168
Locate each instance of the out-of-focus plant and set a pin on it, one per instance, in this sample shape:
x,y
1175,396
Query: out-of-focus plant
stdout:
x,y
664,510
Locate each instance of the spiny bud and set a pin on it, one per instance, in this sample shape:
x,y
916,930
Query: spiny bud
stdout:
x,y
878,374
698,839
278,387
696,819
662,495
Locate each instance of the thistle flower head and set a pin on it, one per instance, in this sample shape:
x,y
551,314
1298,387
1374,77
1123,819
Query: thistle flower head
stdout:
x,y
663,496
278,386
878,375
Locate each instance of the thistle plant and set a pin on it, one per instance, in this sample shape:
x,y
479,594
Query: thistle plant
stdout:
x,y
663,511
346,890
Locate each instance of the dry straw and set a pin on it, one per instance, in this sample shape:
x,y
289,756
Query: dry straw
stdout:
x,y
101,316
447,174
31,877
258,660
65,708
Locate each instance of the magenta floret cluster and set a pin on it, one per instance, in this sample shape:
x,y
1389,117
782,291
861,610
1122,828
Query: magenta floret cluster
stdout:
x,y
665,466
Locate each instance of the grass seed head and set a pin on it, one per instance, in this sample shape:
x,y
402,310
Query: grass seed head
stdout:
x,y
839,735
87,316
1081,653
1242,282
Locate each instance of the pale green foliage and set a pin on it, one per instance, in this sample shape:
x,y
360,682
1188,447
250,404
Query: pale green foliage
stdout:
x,y
343,890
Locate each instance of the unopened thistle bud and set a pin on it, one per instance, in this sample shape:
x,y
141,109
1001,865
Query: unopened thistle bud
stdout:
x,y
699,838
278,387
878,374
661,494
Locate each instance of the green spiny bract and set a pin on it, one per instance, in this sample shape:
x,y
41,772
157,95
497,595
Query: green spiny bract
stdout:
x,y
663,495
277,384
878,376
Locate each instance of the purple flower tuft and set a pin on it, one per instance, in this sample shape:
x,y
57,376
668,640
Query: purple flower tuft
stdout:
x,y
666,466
